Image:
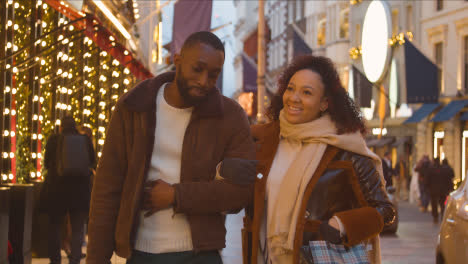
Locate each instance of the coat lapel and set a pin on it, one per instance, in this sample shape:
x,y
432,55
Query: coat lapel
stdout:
x,y
267,141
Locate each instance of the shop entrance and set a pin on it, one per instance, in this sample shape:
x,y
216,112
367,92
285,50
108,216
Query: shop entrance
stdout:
x,y
439,145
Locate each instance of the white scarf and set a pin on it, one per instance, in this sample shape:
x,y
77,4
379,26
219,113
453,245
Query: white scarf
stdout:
x,y
314,137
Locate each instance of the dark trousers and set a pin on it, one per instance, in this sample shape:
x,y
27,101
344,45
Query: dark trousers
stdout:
x,y
78,220
186,257
424,195
437,200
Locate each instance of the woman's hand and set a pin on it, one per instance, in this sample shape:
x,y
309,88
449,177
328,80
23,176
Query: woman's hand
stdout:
x,y
334,223
331,233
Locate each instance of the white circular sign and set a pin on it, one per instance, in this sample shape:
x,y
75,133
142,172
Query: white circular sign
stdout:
x,y
376,31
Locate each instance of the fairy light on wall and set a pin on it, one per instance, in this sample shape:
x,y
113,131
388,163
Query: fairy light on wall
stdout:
x,y
57,71
8,139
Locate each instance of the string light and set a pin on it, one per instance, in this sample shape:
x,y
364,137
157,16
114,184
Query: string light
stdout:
x,y
97,73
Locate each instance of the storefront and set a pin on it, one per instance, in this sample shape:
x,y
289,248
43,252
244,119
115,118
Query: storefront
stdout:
x,y
439,151
398,139
442,132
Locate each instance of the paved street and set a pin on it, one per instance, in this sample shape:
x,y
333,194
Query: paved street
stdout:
x,y
414,242
231,254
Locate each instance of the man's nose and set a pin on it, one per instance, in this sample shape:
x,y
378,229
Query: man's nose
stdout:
x,y
203,79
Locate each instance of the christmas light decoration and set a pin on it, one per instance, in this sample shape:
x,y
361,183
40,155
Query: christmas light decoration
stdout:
x,y
52,68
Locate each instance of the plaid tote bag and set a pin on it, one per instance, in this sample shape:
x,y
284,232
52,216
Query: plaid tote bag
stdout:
x,y
323,252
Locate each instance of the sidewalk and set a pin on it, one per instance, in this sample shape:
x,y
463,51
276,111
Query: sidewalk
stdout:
x,y
232,254
415,240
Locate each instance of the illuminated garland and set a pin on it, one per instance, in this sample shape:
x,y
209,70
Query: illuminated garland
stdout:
x,y
23,135
62,73
355,52
399,39
354,2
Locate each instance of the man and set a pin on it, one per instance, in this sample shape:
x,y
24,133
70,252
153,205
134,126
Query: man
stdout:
x,y
438,182
447,175
401,182
69,159
178,156
423,169
387,169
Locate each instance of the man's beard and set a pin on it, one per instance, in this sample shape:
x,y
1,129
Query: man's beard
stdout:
x,y
184,88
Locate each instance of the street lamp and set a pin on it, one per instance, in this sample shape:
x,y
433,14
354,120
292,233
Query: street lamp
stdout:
x,y
376,51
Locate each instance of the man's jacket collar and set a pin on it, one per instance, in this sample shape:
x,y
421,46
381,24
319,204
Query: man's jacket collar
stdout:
x,y
142,98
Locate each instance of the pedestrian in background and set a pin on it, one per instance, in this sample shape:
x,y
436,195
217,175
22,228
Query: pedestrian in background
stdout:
x,y
423,168
388,168
313,122
448,176
414,193
178,156
84,130
68,159
401,179
437,182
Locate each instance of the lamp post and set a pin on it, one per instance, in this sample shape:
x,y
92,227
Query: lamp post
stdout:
x,y
376,52
261,117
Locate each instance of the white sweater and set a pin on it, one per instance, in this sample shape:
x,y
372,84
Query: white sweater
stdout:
x,y
164,232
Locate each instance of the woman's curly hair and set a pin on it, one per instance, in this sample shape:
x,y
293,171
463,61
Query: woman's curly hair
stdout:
x,y
344,113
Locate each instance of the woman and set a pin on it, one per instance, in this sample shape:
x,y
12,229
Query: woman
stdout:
x,y
314,122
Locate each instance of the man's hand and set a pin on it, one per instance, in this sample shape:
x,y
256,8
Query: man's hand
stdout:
x,y
158,195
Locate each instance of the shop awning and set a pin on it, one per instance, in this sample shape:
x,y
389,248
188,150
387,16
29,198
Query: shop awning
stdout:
x,y
421,113
378,143
449,110
464,116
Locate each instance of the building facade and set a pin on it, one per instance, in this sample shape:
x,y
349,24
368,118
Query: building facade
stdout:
x,y
444,39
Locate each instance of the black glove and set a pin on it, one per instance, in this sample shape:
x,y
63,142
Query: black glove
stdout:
x,y
239,171
329,233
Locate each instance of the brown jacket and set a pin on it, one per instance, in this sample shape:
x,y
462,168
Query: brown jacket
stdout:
x,y
346,185
217,129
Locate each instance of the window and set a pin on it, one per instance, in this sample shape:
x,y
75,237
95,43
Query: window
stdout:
x,y
438,50
440,5
299,9
321,32
409,18
465,63
357,35
290,12
395,24
344,24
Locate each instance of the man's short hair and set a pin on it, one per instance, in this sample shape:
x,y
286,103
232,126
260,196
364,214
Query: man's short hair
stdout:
x,y
387,153
205,37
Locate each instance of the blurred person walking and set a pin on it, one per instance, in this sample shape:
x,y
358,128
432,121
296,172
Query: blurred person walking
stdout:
x,y
69,157
401,179
388,168
437,182
414,193
448,175
423,168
